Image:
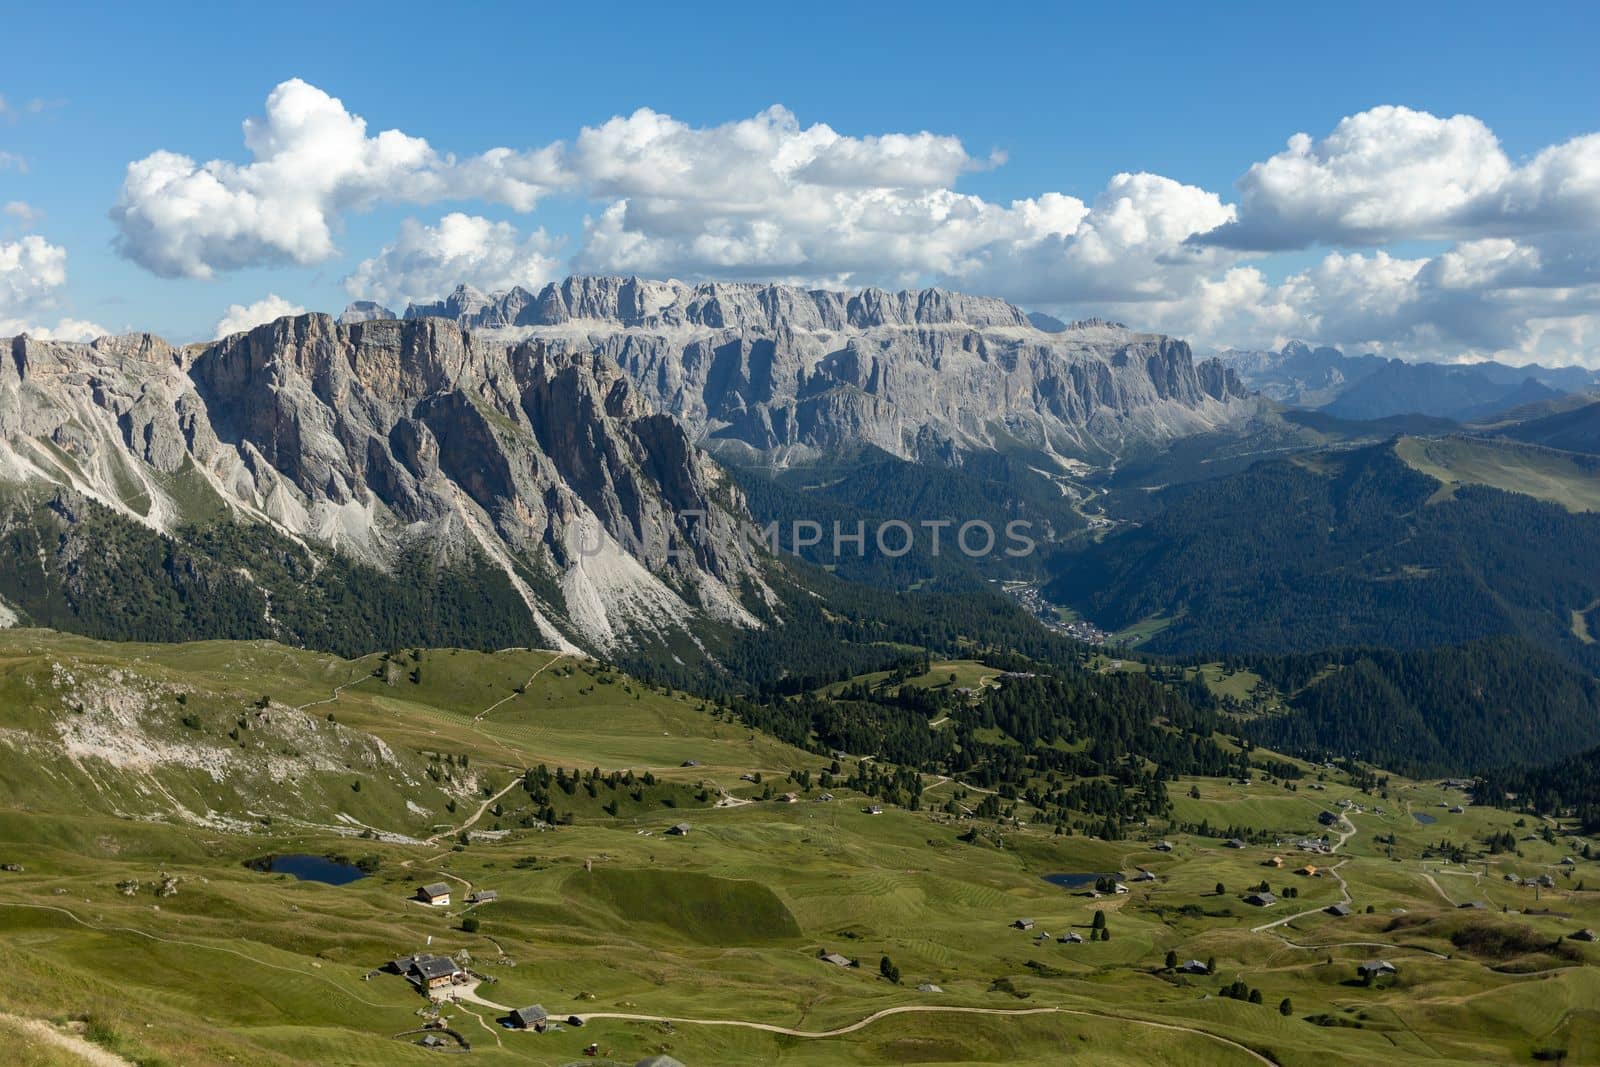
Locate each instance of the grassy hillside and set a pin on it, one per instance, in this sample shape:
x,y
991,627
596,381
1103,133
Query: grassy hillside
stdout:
x,y
1573,426
1345,548
1572,481
606,916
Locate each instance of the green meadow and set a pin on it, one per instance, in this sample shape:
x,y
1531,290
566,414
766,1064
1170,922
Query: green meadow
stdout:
x,y
707,937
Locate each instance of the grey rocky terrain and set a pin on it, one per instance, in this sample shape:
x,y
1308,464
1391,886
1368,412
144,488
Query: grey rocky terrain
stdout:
x,y
789,373
379,436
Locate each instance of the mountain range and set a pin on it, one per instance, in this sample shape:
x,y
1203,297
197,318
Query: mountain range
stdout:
x,y
379,441
360,484
1374,387
781,373
589,466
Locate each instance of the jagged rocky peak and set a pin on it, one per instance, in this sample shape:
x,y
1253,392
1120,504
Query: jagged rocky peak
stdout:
x,y
635,302
373,437
783,369
364,311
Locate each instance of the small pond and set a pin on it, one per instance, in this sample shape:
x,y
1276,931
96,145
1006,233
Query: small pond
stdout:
x,y
1423,817
308,868
1077,881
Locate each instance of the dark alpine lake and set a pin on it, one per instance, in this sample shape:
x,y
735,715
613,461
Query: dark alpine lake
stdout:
x,y
309,868
1076,881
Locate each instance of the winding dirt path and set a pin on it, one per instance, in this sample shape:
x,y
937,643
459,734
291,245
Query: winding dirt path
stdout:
x,y
334,696
1437,888
520,690
494,1032
908,1009
485,806
1344,891
941,779
1344,888
1363,944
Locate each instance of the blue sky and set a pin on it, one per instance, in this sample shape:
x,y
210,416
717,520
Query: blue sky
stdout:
x,y
1071,98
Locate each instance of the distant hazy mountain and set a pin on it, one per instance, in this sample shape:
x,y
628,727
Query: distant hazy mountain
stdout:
x,y
1047,323
364,311
1301,376
1373,387
1452,392
781,372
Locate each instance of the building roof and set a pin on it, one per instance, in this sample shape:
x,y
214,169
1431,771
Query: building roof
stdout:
x,y
1023,924
680,830
1235,843
1071,938
1378,967
483,896
435,889
835,959
1195,967
1261,899
1340,910
533,1014
1584,935
430,967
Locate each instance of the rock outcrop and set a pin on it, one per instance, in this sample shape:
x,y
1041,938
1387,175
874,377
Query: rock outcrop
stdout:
x,y
785,370
378,436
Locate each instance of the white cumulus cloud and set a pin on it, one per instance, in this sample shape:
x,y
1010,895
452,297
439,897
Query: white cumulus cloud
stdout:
x,y
1514,270
311,162
32,273
1130,245
766,197
424,262
1393,173
241,317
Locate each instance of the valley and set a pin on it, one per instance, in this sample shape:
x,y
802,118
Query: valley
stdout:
x,y
135,911
821,536
343,749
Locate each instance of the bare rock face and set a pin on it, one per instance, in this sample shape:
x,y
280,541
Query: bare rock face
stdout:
x,y
372,437
558,434
363,311
774,368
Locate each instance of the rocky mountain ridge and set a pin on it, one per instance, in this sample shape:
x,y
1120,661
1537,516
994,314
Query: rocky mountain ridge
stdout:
x,y
783,372
375,438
